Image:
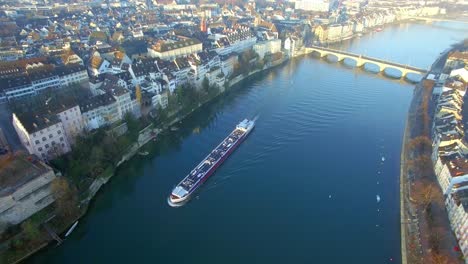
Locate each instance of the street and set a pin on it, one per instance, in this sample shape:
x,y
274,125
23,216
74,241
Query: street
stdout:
x,y
8,129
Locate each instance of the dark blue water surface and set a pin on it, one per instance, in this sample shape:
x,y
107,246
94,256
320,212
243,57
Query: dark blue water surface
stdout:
x,y
301,189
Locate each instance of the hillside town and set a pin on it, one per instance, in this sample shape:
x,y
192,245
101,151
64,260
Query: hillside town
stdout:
x,y
117,72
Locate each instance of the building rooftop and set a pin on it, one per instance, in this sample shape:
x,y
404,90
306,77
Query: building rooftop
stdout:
x,y
34,122
14,81
458,55
458,167
162,45
17,170
69,69
97,101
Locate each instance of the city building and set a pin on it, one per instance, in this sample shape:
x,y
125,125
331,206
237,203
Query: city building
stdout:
x,y
312,5
99,111
236,39
41,134
72,74
25,188
457,59
171,49
267,47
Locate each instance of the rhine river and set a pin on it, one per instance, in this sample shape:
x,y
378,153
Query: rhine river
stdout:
x,y
301,189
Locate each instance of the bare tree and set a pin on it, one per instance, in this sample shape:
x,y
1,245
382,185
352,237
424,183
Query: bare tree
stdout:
x,y
421,166
438,258
424,193
420,145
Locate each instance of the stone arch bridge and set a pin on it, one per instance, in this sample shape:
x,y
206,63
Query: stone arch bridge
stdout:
x,y
362,60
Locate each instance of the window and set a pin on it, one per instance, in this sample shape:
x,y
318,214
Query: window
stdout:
x,y
37,142
50,135
44,139
59,132
46,146
61,138
40,149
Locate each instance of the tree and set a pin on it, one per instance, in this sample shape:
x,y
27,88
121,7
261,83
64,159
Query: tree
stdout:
x,y
244,61
206,84
132,125
66,200
421,166
96,159
162,116
260,64
424,193
30,230
420,145
438,258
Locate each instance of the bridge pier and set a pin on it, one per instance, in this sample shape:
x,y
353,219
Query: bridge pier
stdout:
x,y
360,63
340,58
403,74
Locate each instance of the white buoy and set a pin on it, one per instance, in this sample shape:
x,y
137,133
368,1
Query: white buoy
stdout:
x,y
329,196
378,198
383,158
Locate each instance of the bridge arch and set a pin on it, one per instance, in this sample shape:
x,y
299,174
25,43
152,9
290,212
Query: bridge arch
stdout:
x,y
371,66
317,53
351,61
393,72
333,56
413,77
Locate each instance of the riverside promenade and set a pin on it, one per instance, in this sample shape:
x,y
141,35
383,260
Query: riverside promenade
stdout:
x,y
415,232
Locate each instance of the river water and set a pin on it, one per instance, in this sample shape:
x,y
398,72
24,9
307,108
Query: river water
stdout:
x,y
301,189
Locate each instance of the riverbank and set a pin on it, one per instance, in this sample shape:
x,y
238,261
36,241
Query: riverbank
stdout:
x,y
404,255
420,243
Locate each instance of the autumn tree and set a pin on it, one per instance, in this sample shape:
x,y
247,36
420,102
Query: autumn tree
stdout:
x,y
424,193
421,166
438,258
420,145
66,200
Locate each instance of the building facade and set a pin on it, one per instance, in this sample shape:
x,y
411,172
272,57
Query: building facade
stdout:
x,y
42,136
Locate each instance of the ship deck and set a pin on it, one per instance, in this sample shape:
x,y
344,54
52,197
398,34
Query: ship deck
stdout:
x,y
189,182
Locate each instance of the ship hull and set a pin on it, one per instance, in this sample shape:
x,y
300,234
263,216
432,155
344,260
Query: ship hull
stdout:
x,y
177,202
